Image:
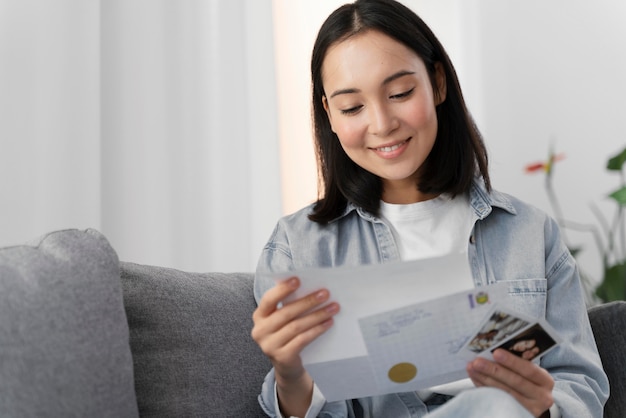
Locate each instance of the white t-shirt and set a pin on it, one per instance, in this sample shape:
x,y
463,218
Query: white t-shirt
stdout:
x,y
431,228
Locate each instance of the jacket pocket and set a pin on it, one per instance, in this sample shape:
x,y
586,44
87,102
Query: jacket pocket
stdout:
x,y
528,296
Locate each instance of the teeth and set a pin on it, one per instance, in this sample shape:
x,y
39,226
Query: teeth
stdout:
x,y
392,148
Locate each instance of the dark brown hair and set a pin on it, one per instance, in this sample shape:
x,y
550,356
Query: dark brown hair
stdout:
x,y
458,153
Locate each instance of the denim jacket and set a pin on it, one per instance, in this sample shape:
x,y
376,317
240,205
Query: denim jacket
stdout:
x,y
511,241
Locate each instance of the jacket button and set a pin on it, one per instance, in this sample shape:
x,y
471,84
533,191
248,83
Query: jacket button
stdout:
x,y
472,239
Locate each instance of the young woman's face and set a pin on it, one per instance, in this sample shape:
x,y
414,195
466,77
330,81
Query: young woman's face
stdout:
x,y
380,103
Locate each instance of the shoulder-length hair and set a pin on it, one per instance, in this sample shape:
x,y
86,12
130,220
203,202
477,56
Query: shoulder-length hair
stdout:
x,y
458,153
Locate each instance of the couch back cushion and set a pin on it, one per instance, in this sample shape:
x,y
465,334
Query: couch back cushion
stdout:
x,y
190,337
64,342
609,327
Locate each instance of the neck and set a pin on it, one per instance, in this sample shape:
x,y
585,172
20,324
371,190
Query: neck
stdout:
x,y
405,193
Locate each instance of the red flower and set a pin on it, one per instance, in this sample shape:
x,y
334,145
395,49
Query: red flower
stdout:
x,y
546,166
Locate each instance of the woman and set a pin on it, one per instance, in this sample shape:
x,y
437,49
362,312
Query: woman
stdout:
x,y
404,174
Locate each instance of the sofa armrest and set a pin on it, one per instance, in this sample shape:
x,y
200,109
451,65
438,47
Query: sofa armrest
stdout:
x,y
64,347
608,322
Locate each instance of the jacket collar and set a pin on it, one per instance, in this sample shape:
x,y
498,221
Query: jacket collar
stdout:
x,y
483,201
480,200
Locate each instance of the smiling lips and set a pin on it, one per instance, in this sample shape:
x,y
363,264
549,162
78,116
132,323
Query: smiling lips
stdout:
x,y
393,150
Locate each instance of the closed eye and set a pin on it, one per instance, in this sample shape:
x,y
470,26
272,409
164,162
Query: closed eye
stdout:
x,y
351,111
403,95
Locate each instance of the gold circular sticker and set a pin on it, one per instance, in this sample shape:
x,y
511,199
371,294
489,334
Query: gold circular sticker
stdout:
x,y
402,372
482,298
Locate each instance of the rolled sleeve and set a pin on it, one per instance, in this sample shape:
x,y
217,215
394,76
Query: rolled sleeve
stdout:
x,y
581,385
268,399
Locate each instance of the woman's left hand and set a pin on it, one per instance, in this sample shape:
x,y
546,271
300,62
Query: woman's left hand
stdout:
x,y
527,382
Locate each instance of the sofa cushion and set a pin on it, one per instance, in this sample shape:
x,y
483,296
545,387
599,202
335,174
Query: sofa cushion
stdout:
x,y
609,328
64,339
190,337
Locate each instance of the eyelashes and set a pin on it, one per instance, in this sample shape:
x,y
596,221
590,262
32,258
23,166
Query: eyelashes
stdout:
x,y
351,111
403,95
355,109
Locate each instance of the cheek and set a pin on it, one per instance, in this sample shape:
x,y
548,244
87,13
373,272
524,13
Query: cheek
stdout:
x,y
420,113
350,133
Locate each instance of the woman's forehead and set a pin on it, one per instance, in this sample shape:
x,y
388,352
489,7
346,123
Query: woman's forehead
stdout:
x,y
371,56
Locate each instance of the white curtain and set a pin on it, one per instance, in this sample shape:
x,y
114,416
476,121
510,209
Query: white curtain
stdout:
x,y
153,121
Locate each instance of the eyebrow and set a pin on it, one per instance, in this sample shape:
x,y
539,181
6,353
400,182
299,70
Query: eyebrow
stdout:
x,y
385,81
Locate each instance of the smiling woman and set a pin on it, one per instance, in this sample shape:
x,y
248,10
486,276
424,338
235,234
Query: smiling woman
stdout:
x,y
388,125
295,27
404,176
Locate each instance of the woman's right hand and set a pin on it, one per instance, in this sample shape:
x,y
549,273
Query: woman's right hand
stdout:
x,y
282,333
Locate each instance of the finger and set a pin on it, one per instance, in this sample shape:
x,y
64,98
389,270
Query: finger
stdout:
x,y
524,368
492,373
274,327
535,397
270,300
536,383
301,335
268,305
295,334
486,378
269,317
489,373
513,371
300,306
279,317
284,346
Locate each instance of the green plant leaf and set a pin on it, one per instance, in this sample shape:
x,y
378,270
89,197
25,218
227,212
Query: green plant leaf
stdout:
x,y
617,162
619,196
613,286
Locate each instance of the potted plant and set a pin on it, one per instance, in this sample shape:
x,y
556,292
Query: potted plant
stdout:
x,y
613,284
611,241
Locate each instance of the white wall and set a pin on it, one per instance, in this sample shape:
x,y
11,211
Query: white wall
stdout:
x,y
534,73
189,138
49,113
150,120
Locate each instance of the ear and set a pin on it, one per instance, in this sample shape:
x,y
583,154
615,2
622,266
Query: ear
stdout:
x,y
327,109
440,81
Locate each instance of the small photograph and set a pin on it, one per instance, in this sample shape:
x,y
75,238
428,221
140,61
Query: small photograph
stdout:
x,y
529,344
499,326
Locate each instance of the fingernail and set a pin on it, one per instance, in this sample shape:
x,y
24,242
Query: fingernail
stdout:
x,y
332,308
293,282
321,295
478,364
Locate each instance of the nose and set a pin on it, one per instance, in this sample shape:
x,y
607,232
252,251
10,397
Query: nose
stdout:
x,y
382,120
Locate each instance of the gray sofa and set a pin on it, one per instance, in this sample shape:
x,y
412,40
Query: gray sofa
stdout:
x,y
85,335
